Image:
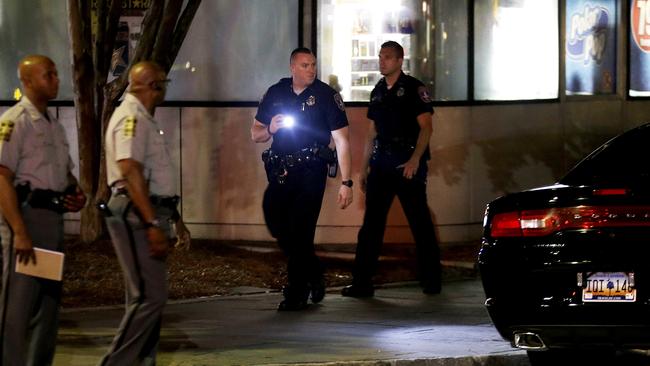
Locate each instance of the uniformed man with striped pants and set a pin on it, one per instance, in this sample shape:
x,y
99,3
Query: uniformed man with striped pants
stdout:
x,y
36,188
142,211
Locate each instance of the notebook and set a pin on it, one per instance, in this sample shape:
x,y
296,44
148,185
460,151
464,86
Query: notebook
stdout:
x,y
49,265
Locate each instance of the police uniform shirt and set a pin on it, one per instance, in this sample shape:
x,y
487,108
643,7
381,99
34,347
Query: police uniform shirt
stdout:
x,y
34,147
317,111
395,110
132,133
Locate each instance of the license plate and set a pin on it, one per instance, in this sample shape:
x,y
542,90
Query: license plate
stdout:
x,y
608,287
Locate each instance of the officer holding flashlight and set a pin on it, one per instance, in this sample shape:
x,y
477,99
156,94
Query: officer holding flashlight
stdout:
x,y
301,114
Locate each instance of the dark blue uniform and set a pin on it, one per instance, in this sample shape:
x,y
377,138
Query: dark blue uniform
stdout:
x,y
291,207
394,112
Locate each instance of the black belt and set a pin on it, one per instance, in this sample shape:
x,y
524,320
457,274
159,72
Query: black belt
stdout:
x,y
119,188
43,198
397,145
165,201
277,165
300,157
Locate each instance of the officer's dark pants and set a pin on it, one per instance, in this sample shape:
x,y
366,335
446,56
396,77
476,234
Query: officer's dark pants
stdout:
x,y
291,211
29,306
136,342
382,186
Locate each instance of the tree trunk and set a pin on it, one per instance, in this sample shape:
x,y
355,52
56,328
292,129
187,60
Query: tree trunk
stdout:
x,y
163,32
84,76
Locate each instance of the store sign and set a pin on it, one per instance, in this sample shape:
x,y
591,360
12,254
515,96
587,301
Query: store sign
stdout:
x,y
587,36
641,24
640,48
590,47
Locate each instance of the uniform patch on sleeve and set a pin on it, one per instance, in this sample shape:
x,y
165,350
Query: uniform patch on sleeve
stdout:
x,y
129,126
6,128
424,94
339,102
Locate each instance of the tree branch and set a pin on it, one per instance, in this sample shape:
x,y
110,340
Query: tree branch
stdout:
x,y
165,33
143,49
182,27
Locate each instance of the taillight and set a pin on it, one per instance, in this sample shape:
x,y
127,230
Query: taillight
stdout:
x,y
505,224
546,222
610,192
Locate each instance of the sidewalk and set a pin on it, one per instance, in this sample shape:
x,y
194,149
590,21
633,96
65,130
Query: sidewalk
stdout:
x,y
399,326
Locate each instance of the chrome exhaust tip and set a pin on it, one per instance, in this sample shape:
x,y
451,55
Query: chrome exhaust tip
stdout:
x,y
529,341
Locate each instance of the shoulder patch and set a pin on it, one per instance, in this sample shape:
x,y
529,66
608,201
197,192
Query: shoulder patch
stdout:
x,y
424,94
129,126
6,128
339,102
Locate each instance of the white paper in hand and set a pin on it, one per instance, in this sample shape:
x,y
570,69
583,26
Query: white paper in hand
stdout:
x,y
49,265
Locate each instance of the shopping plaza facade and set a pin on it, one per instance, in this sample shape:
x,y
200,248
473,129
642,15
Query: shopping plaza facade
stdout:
x,y
523,89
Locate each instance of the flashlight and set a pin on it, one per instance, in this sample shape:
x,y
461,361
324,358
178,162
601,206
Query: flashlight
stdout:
x,y
288,121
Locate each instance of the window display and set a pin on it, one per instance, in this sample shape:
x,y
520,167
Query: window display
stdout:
x,y
352,33
516,49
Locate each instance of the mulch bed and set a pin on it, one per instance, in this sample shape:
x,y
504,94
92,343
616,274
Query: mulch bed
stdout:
x,y
92,275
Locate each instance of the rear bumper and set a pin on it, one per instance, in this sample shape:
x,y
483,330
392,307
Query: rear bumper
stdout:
x,y
527,295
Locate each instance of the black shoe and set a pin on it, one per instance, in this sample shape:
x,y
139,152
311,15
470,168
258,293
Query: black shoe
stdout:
x,y
292,305
432,288
317,292
355,290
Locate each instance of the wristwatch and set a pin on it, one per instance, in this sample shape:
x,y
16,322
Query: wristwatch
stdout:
x,y
347,183
152,223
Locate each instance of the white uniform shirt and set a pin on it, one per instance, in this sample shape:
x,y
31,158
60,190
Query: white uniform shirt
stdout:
x,y
132,133
34,149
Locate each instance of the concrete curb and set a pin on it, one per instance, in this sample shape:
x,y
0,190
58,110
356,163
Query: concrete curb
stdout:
x,y
516,358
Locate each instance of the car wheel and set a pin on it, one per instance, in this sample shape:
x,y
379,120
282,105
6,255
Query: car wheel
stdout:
x,y
571,357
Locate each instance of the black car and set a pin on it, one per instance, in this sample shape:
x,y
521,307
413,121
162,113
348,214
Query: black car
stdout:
x,y
566,268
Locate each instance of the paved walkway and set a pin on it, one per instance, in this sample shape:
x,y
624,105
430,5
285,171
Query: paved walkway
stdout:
x,y
399,326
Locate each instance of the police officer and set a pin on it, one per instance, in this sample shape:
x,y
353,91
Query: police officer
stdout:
x,y
395,163
141,213
36,188
301,114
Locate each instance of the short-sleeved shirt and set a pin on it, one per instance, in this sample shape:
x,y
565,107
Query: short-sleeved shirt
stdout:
x,y
132,133
34,147
317,111
395,110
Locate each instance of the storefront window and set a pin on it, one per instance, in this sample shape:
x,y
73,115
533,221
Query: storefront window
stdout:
x,y
450,37
516,49
33,27
433,34
590,47
235,50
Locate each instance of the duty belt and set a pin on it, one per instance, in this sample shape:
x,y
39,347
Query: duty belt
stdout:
x,y
277,166
44,198
162,201
165,201
169,202
393,146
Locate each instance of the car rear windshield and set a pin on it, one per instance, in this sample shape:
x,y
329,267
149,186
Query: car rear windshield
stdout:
x,y
624,160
